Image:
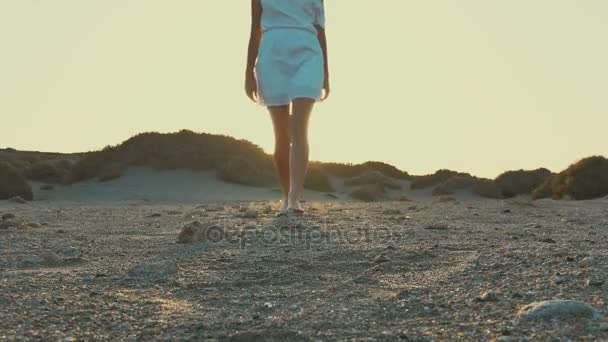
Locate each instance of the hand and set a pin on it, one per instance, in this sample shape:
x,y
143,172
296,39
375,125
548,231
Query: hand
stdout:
x,y
251,86
326,89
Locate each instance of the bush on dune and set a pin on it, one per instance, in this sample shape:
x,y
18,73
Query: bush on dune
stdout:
x,y
317,179
480,186
585,179
369,193
373,178
353,170
13,184
247,172
421,182
513,183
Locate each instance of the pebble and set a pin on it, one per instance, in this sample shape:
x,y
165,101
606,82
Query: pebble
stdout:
x,y
488,296
154,269
507,339
586,262
558,280
381,259
548,240
557,309
594,282
50,257
249,213
8,216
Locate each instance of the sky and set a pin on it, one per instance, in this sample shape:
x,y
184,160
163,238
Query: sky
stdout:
x,y
479,86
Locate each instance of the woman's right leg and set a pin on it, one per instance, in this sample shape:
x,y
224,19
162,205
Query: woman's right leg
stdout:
x,y
282,141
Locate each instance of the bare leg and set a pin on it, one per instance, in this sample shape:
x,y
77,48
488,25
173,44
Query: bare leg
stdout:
x,y
302,107
280,122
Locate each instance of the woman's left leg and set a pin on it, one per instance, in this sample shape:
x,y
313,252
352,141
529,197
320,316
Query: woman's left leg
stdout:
x,y
298,156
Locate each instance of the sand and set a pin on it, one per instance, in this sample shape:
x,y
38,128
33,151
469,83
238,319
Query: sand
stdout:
x,y
100,261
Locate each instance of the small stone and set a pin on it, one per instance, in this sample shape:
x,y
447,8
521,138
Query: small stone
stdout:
x,y
8,216
558,280
155,215
594,282
507,339
50,257
156,269
488,296
557,309
196,231
268,305
586,262
506,211
17,199
381,259
548,240
249,213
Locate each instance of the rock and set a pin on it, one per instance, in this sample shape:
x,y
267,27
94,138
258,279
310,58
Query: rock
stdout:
x,y
50,257
507,211
558,280
594,282
268,305
8,216
197,231
249,213
436,226
154,270
17,199
548,240
381,259
586,262
155,215
488,296
507,339
557,309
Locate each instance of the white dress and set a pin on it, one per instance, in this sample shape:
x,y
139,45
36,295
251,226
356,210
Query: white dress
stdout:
x,y
290,60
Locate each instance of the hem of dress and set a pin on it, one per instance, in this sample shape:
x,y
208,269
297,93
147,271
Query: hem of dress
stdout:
x,y
289,100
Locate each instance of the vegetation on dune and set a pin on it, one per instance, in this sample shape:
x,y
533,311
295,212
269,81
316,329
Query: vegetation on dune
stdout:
x,y
13,184
421,182
513,183
240,161
585,179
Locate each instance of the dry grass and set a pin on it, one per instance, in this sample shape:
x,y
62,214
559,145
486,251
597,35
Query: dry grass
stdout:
x,y
421,182
13,184
513,183
585,179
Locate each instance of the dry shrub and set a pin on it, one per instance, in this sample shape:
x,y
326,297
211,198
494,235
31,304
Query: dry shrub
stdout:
x,y
47,171
487,188
110,172
181,150
373,178
317,179
369,193
247,172
13,184
585,179
513,183
454,183
352,170
421,182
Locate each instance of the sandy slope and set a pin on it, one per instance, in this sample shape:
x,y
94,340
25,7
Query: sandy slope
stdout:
x,y
146,184
347,270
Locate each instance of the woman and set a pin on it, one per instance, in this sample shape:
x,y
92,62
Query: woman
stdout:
x,y
287,66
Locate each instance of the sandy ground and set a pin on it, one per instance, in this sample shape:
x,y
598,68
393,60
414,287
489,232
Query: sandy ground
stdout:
x,y
109,268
